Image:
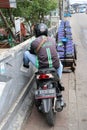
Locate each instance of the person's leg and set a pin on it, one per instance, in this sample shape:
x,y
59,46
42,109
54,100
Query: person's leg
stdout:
x,y
28,57
60,70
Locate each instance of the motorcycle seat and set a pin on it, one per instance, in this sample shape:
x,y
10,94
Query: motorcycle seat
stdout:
x,y
46,70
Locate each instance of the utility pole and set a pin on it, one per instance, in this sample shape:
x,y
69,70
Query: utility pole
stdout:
x,y
61,9
67,5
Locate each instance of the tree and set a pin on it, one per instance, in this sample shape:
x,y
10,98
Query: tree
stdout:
x,y
32,10
35,10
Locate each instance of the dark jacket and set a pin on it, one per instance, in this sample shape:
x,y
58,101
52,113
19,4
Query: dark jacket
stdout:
x,y
47,55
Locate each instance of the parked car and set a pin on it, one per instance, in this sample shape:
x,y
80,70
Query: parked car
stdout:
x,y
82,10
86,11
72,11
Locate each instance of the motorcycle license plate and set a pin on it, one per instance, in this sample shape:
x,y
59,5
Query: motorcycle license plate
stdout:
x,y
48,93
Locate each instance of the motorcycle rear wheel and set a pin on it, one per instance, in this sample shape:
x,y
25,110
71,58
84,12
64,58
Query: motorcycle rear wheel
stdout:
x,y
50,117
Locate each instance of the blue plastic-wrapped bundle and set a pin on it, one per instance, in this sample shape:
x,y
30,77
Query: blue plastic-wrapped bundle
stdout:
x,y
65,46
67,24
65,50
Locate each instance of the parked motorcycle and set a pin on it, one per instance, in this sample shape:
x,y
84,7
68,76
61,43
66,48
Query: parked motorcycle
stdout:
x,y
48,97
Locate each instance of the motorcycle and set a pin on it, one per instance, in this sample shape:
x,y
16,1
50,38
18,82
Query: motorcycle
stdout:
x,y
48,97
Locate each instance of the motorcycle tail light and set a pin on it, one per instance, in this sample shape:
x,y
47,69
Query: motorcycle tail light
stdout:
x,y
43,76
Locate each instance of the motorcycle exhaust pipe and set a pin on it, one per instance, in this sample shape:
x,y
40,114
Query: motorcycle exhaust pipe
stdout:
x,y
54,106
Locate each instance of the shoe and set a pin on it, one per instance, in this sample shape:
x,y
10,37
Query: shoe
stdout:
x,y
26,66
62,88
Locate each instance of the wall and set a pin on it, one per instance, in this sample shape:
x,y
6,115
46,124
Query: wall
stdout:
x,y
15,82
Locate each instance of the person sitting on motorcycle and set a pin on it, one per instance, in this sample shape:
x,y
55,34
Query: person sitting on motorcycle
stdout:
x,y
42,52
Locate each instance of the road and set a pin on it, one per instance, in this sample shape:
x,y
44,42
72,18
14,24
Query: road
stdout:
x,y
74,116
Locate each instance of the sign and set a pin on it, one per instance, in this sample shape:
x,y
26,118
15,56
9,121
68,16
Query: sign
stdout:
x,y
7,3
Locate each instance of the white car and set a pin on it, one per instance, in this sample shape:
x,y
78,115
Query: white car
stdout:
x,y
82,10
72,11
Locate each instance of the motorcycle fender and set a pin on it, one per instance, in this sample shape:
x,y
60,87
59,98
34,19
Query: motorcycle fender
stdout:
x,y
46,104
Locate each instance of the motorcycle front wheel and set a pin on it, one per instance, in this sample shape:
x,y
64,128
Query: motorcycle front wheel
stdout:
x,y
50,117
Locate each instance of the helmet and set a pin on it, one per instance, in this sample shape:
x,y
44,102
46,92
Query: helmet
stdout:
x,y
41,29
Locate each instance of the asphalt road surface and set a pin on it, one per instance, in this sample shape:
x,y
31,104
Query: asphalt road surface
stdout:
x,y
74,116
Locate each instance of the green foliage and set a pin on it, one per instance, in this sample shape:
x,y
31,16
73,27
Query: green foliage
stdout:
x,y
34,10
